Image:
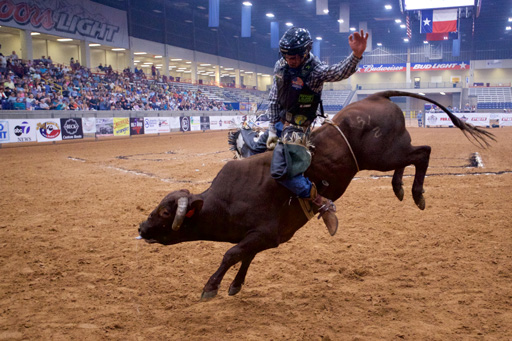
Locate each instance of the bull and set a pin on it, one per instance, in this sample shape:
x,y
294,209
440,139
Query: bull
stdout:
x,y
246,207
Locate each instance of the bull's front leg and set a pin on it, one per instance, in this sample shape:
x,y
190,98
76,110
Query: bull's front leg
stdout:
x,y
245,250
239,280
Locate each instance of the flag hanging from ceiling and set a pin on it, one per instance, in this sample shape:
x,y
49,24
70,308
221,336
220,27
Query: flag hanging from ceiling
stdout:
x,y
442,36
407,22
213,13
274,34
246,21
438,21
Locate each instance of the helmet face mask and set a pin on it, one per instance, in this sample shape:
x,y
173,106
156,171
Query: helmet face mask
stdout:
x,y
295,41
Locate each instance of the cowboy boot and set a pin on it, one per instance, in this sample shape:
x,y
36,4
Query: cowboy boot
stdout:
x,y
326,210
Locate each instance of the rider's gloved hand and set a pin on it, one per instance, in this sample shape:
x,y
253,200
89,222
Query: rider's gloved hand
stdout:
x,y
272,137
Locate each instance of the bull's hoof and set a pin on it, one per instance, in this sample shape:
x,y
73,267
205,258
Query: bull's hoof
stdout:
x,y
233,290
208,295
399,193
420,202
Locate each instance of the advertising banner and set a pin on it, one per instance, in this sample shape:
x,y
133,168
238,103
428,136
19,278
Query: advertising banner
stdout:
x,y
48,130
441,119
184,123
105,126
89,125
195,123
440,66
174,123
204,123
4,131
382,68
163,125
121,126
76,19
136,125
22,130
505,120
71,128
150,125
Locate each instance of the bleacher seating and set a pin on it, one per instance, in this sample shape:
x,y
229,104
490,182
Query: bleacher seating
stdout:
x,y
492,97
335,100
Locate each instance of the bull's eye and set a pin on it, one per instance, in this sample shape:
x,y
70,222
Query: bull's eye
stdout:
x,y
165,213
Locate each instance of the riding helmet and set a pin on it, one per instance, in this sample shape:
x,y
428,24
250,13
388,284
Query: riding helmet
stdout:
x,y
295,41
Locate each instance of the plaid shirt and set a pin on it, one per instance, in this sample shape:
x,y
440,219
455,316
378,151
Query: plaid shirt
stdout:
x,y
321,74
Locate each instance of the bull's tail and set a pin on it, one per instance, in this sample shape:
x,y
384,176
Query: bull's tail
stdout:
x,y
478,135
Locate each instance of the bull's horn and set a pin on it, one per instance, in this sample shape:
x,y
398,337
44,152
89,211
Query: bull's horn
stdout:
x,y
180,213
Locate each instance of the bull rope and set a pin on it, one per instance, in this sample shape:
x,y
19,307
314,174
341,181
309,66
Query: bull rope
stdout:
x,y
328,121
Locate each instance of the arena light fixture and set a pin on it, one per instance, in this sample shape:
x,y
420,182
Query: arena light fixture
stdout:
x,y
247,3
147,63
270,15
341,21
508,28
205,64
136,61
94,45
406,40
388,7
229,69
118,49
188,62
318,38
139,53
176,59
379,44
402,26
35,33
65,39
425,42
509,19
352,29
158,57
289,24
398,21
326,11
442,93
421,93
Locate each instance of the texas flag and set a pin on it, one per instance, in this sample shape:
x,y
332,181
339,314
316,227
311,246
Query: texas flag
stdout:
x,y
438,20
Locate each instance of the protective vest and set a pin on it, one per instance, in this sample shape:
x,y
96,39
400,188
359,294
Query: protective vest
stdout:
x,y
298,102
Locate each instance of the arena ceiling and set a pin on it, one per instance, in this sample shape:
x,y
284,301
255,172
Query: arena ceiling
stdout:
x,y
486,29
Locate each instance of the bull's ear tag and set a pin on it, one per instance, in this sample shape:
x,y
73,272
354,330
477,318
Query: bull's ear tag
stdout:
x,y
190,213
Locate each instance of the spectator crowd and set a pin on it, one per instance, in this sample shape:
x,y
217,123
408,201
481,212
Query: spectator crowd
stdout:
x,y
43,85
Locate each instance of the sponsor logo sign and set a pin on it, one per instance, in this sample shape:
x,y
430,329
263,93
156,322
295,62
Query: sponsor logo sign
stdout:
x,y
121,126
163,125
136,125
69,18
440,66
22,130
184,123
4,131
71,128
151,125
89,125
382,68
195,123
204,122
105,126
506,120
48,131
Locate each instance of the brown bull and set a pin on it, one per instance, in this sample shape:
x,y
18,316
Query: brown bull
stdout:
x,y
245,206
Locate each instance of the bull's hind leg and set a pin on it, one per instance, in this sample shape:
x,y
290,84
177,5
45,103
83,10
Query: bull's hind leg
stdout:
x,y
398,184
420,158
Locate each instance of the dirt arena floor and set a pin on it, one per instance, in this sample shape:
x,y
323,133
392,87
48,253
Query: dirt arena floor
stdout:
x,y
71,268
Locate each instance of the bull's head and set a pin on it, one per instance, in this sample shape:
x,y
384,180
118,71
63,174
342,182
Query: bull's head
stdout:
x,y
164,223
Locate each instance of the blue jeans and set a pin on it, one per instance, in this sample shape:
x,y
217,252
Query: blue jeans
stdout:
x,y
298,185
